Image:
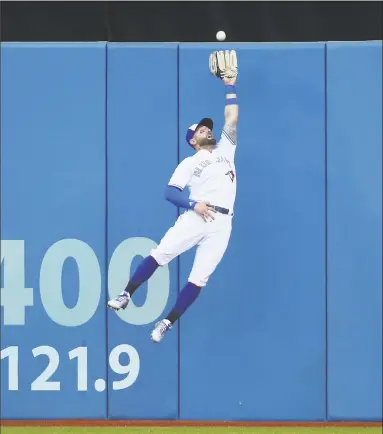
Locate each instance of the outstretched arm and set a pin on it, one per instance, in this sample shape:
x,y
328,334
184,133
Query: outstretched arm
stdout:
x,y
231,110
223,64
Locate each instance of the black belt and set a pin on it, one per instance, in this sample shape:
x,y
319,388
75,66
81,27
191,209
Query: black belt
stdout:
x,y
220,209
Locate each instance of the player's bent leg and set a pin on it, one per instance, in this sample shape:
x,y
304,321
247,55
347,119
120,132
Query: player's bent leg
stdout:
x,y
208,255
185,299
143,273
185,234
182,236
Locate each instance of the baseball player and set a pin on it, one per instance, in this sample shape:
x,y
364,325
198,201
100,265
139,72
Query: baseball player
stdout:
x,y
207,220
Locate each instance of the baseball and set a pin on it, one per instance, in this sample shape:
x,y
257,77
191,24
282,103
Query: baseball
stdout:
x,y
221,35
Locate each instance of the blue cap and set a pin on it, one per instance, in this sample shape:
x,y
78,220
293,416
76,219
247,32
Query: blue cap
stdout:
x,y
206,122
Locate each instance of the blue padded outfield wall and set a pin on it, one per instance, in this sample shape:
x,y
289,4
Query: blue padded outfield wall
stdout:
x,y
289,327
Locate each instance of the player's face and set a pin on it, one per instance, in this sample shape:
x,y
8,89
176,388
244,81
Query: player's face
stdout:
x,y
203,137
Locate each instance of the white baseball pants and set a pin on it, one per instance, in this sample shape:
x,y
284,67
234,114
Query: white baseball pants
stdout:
x,y
211,239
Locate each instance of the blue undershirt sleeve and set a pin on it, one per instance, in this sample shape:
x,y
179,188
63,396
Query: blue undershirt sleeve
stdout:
x,y
177,198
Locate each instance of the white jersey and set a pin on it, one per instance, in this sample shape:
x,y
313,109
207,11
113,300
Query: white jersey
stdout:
x,y
211,176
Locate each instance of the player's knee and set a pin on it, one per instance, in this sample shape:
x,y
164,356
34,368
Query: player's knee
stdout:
x,y
161,258
198,281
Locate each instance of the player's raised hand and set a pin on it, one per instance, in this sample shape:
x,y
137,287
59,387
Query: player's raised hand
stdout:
x,y
224,65
205,210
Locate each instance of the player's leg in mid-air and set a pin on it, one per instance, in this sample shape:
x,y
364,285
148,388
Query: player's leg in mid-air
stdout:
x,y
182,236
209,253
144,271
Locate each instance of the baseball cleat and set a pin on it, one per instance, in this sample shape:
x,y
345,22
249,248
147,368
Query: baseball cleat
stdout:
x,y
160,329
119,302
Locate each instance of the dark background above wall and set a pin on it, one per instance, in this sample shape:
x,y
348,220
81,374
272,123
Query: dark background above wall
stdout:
x,y
194,21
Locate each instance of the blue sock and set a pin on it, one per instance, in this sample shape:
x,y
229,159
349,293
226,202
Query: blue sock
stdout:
x,y
144,271
185,298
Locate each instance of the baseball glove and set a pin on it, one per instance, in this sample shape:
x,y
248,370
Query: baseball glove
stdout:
x,y
223,64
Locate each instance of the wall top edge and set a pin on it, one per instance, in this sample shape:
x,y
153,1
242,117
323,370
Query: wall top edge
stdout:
x,y
51,44
189,45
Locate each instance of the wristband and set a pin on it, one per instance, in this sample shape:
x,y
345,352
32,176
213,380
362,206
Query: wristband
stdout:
x,y
230,88
231,101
